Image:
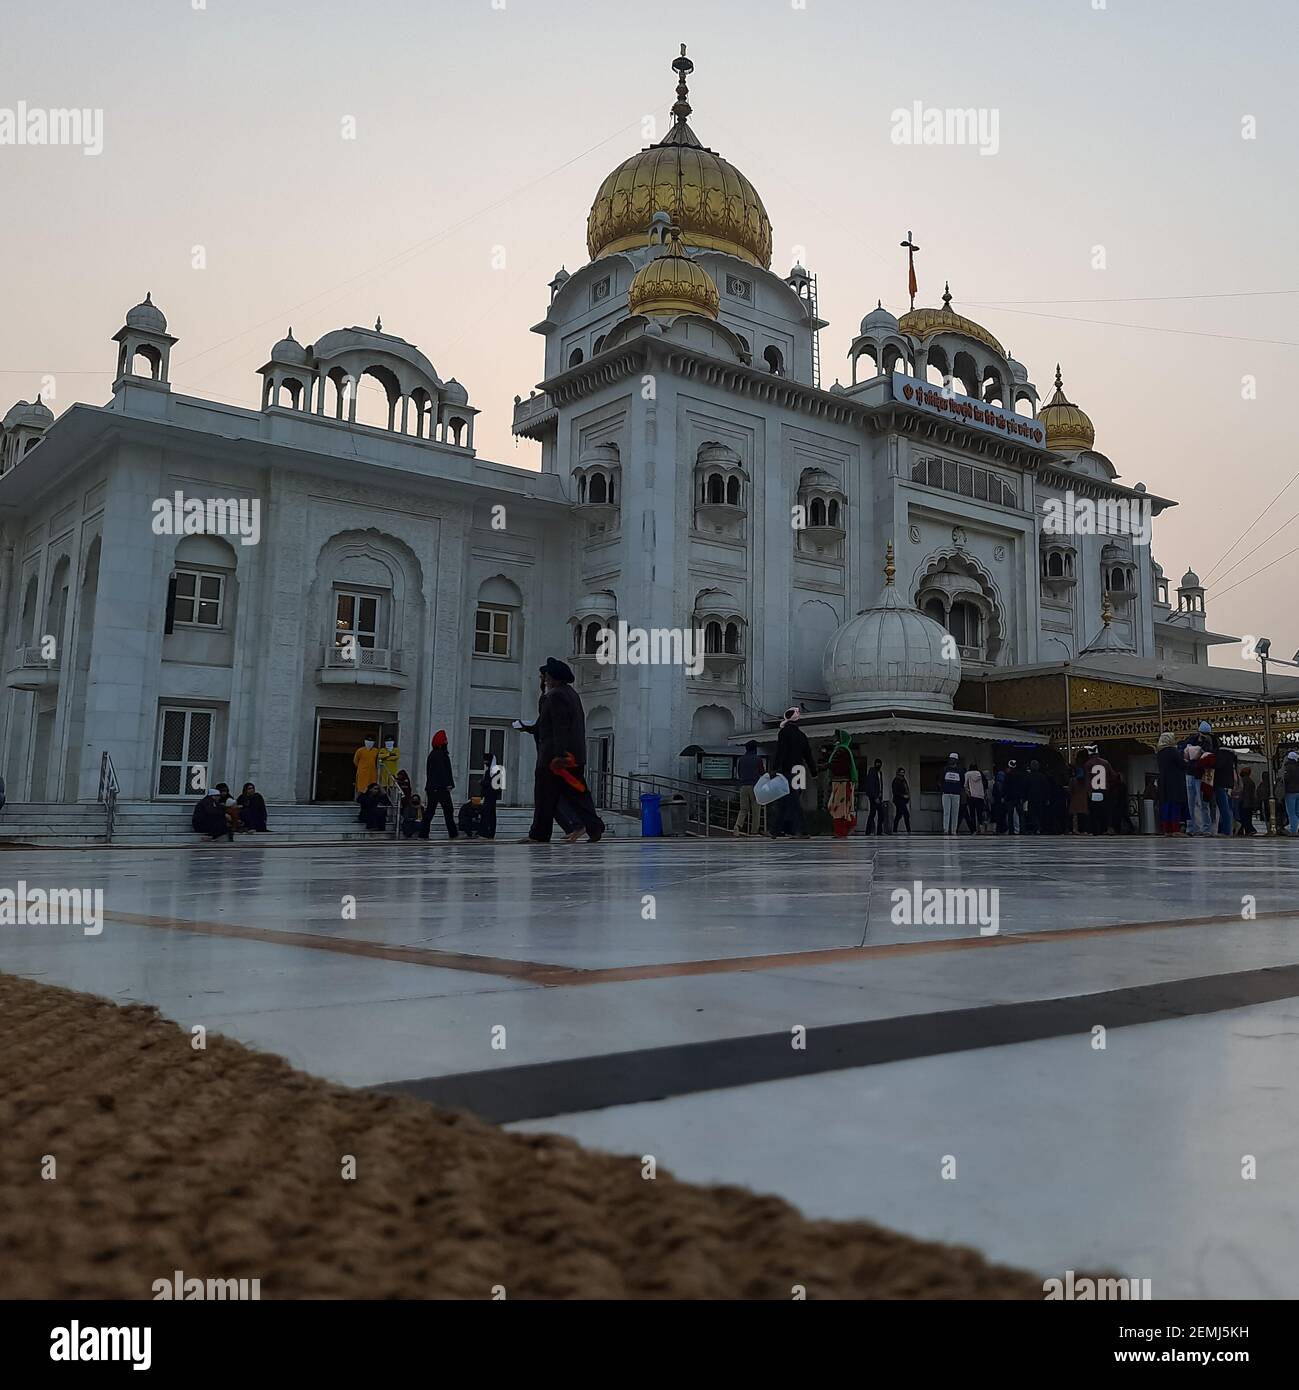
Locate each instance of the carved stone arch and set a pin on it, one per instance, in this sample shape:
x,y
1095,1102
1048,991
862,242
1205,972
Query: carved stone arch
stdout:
x,y
712,724
954,574
375,559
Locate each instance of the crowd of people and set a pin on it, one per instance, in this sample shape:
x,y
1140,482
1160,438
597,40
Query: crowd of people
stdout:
x,y
560,791
221,816
1203,788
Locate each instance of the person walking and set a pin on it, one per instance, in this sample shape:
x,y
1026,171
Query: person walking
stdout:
x,y
1172,786
1225,764
976,801
1290,788
796,762
1198,814
751,767
438,784
901,790
1037,794
877,821
842,804
1099,778
952,784
1246,802
1014,792
561,759
1265,799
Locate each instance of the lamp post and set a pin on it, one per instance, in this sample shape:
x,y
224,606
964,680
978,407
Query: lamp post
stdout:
x,y
1263,650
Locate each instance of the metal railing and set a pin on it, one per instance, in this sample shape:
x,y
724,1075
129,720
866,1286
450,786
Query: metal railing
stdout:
x,y
109,789
32,658
361,658
710,810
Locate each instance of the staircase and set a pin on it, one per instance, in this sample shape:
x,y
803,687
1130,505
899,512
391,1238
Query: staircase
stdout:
x,y
164,824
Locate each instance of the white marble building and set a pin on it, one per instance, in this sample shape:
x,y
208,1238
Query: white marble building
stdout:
x,y
693,474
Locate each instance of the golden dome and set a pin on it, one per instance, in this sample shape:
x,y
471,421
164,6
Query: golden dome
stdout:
x,y
715,206
1067,427
673,284
925,323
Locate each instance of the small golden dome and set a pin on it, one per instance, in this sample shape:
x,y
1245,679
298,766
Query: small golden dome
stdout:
x,y
715,206
673,284
1067,427
925,323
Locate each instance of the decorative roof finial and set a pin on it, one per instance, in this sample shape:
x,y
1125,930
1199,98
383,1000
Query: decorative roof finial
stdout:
x,y
947,295
911,248
378,325
683,67
1059,381
148,296
1107,609
889,568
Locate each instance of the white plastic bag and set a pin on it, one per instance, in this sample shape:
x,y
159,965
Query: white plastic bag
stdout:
x,y
768,789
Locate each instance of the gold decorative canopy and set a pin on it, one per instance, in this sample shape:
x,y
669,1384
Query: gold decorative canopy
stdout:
x,y
673,284
1067,428
715,206
925,323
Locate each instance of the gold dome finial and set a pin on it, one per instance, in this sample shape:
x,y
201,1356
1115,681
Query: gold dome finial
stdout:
x,y
947,295
715,206
683,67
1067,427
1107,609
889,568
672,283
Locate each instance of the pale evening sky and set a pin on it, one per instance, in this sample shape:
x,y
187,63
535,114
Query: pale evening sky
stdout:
x,y
480,128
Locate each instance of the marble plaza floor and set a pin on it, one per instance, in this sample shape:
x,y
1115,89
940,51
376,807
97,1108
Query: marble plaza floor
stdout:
x,y
1098,1073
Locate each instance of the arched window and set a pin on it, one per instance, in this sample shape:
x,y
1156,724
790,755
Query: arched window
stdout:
x,y
1118,580
575,358
816,512
775,362
712,637
833,514
599,343
592,644
731,640
934,609
1055,565
598,488
733,491
714,489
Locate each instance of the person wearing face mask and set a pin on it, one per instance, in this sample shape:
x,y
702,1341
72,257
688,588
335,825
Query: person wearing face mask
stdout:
x,y
366,762
389,760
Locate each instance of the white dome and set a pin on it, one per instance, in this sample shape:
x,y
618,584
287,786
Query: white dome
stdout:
x,y
879,320
889,657
1190,580
147,317
289,351
455,394
1018,371
37,415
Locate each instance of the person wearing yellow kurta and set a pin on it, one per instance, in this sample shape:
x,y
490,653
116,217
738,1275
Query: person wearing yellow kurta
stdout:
x,y
389,760
366,762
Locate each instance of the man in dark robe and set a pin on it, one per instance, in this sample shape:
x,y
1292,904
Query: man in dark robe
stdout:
x,y
561,759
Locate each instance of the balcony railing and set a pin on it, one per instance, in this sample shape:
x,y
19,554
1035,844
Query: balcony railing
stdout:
x,y
31,659
361,659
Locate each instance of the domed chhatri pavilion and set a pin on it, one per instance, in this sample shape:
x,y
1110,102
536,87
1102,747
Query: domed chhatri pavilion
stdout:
x,y
693,471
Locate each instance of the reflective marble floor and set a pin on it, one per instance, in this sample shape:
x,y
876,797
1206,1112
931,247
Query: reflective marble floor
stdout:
x,y
752,1013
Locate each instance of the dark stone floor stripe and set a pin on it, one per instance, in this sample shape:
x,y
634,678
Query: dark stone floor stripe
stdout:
x,y
578,1084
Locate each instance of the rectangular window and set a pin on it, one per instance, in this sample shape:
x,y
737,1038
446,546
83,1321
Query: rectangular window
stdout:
x,y
492,632
199,598
482,742
184,751
356,616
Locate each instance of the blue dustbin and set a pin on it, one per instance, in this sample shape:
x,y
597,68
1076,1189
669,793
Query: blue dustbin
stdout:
x,y
651,815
